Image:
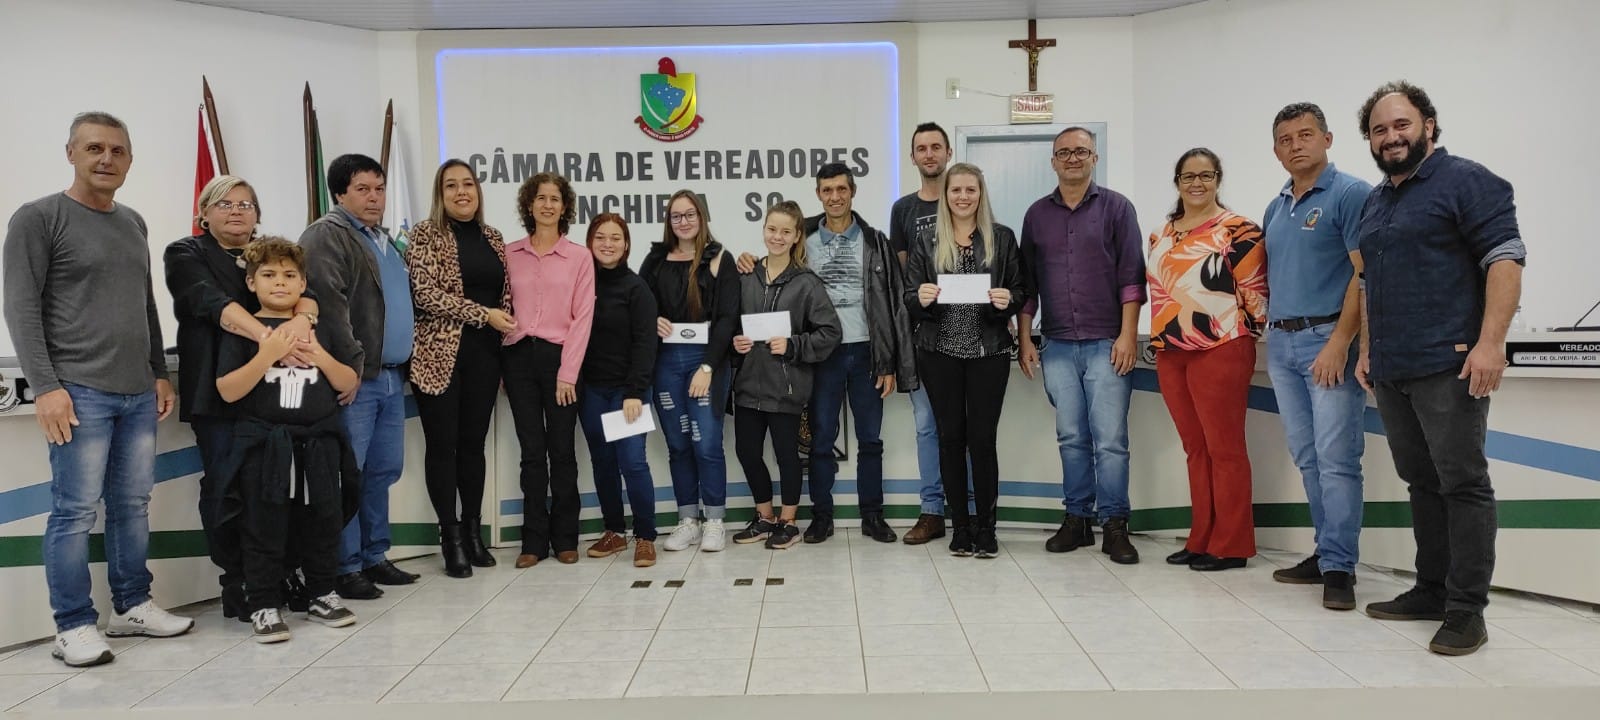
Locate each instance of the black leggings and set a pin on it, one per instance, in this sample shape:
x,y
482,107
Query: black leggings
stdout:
x,y
749,440
455,424
966,396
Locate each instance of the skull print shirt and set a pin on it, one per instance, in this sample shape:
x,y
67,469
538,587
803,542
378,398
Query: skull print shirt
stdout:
x,y
286,395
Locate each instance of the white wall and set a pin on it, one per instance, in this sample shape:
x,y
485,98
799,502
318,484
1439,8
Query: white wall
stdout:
x,y
1509,79
397,80
141,60
1089,71
1513,81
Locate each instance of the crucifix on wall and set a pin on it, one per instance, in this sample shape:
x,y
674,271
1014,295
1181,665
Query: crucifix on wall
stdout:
x,y
1032,45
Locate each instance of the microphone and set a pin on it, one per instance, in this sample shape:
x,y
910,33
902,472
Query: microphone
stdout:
x,y
1578,327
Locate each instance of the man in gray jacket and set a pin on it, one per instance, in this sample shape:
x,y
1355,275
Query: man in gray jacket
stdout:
x,y
361,283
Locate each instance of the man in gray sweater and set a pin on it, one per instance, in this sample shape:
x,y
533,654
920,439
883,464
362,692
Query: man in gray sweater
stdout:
x,y
82,316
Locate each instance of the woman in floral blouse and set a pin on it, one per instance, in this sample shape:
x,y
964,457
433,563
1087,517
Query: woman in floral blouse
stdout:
x,y
1208,303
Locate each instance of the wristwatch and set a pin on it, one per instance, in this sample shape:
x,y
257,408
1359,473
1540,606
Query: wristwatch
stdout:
x,y
309,316
705,368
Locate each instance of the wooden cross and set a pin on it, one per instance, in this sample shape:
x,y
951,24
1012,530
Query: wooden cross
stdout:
x,y
1032,46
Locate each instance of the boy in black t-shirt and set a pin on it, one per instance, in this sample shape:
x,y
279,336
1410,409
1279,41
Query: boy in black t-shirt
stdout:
x,y
291,477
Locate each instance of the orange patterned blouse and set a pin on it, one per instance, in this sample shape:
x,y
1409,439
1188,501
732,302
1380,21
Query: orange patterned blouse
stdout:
x,y
1207,285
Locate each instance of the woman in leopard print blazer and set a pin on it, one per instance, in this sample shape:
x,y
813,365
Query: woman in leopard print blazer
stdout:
x,y
458,285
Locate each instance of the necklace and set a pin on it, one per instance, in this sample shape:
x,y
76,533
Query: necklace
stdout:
x,y
238,256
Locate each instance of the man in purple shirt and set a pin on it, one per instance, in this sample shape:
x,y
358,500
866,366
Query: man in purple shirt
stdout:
x,y
1083,266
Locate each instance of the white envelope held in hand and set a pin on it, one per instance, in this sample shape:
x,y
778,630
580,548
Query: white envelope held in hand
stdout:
x,y
762,327
617,428
689,334
970,289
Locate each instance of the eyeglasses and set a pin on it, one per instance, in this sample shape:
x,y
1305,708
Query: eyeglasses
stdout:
x,y
1075,153
681,218
229,205
1206,177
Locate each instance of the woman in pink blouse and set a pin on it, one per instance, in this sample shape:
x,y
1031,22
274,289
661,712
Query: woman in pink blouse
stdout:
x,y
552,301
1208,304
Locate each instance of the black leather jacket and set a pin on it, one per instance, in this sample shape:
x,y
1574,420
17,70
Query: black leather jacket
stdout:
x,y
1005,270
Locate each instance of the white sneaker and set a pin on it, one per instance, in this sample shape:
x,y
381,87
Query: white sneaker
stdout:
x,y
81,646
148,620
687,533
712,538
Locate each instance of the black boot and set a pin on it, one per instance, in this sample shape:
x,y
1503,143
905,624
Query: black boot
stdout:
x,y
1117,544
1071,535
472,539
455,555
873,526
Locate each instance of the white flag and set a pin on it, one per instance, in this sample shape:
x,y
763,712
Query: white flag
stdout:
x,y
397,215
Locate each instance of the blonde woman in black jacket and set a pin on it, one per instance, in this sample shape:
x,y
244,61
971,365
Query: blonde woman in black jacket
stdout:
x,y
774,377
963,349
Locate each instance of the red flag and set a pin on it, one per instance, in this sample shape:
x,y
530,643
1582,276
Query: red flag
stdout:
x,y
204,168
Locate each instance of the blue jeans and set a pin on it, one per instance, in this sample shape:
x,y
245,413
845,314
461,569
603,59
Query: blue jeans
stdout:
x,y
693,429
616,463
1091,402
847,371
112,456
927,452
376,422
1326,434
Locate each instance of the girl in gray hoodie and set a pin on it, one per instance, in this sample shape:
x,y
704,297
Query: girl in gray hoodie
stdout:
x,y
773,379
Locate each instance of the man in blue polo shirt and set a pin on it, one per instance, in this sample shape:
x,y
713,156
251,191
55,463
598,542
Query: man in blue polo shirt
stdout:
x,y
1443,273
1313,256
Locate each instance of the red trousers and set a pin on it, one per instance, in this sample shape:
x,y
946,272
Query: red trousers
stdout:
x,y
1207,391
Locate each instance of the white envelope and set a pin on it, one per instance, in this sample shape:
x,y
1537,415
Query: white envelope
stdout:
x,y
689,334
964,289
762,327
616,428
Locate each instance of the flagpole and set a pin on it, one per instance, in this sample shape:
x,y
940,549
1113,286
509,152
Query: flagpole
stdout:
x,y
216,127
308,116
388,132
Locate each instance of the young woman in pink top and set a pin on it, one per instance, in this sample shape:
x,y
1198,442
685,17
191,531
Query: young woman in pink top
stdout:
x,y
552,300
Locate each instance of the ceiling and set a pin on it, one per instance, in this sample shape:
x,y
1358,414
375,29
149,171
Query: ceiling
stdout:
x,y
486,14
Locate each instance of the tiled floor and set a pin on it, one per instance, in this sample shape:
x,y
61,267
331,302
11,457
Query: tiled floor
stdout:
x,y
850,616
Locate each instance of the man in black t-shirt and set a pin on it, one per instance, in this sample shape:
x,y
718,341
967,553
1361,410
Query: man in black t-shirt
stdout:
x,y
911,223
291,481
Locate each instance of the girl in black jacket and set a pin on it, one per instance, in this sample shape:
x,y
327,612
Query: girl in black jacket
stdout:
x,y
774,377
963,349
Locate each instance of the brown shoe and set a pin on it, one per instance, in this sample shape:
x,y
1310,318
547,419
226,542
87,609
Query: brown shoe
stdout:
x,y
527,561
929,527
567,557
609,544
644,553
